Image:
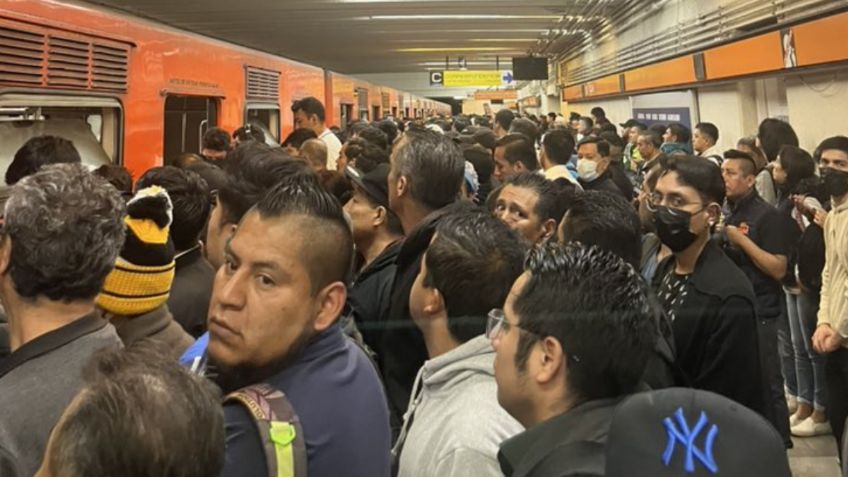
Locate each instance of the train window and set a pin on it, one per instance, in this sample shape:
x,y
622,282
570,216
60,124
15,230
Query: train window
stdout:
x,y
186,120
265,117
93,124
346,115
376,114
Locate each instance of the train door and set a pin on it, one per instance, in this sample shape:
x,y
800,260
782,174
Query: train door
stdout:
x,y
346,114
394,111
376,114
362,99
187,118
265,117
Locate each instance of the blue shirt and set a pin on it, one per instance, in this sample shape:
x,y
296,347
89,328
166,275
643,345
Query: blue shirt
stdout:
x,y
337,394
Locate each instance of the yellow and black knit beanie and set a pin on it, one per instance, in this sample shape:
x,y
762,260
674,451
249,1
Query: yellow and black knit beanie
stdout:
x,y
142,277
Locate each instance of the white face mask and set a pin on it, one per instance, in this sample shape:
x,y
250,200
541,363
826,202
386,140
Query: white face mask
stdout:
x,y
587,169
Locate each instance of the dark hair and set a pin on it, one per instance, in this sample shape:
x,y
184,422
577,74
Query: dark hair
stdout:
x,y
375,137
774,133
798,164
186,160
39,152
214,176
651,135
216,139
749,165
142,400
473,261
481,159
695,172
681,132
252,172
504,118
589,121
708,129
607,221
608,128
460,124
603,146
659,129
389,127
326,239
599,309
485,137
518,148
554,198
558,145
310,106
526,127
598,112
66,228
190,197
336,184
355,127
298,137
393,224
613,139
839,143
366,155
118,176
433,165
249,132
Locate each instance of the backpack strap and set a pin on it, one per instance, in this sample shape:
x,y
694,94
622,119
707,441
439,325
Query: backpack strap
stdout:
x,y
279,428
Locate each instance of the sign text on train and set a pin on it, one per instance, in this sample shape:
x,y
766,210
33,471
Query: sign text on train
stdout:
x,y
463,79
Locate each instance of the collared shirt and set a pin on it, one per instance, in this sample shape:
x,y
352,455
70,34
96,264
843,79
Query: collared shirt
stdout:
x,y
334,148
772,232
713,155
38,381
525,455
833,308
561,171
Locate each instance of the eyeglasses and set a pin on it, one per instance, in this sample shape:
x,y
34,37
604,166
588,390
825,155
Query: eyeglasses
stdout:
x,y
497,324
675,202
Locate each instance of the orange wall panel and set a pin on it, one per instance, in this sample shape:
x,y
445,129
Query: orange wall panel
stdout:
x,y
572,92
750,56
606,85
822,41
665,73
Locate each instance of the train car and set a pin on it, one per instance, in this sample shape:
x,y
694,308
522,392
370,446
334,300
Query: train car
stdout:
x,y
134,92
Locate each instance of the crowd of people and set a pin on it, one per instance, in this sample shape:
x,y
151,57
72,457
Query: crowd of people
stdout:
x,y
463,296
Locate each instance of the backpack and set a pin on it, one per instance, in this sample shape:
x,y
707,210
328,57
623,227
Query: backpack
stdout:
x,y
279,428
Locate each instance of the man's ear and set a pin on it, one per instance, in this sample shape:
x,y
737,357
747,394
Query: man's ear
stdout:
x,y
550,360
434,302
550,229
402,186
381,216
519,167
5,254
331,302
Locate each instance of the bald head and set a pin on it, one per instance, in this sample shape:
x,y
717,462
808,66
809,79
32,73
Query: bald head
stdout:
x,y
315,153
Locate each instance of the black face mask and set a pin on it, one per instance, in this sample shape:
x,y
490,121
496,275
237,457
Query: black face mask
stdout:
x,y
673,228
835,182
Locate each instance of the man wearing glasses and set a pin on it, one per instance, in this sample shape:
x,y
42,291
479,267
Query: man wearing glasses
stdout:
x,y
707,297
573,339
454,425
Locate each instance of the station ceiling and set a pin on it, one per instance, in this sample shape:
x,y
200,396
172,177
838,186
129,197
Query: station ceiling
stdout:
x,y
371,36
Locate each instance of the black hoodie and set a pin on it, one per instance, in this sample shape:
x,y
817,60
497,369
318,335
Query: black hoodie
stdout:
x,y
370,295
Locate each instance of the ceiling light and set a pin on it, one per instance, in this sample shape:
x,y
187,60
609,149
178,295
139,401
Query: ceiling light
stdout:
x,y
451,50
460,17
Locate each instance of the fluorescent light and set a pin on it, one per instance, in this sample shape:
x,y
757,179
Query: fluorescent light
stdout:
x,y
451,50
473,40
461,17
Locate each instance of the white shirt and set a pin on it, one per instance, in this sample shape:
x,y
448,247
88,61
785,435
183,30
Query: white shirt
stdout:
x,y
334,148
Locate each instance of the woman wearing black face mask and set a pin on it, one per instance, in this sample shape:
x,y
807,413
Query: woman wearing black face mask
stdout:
x,y
708,298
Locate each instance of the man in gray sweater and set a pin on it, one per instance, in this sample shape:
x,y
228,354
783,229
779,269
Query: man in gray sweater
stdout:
x,y
454,424
62,233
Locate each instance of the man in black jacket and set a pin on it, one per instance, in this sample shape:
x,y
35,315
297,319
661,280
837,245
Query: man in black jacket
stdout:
x,y
575,335
427,170
709,300
377,235
593,166
192,286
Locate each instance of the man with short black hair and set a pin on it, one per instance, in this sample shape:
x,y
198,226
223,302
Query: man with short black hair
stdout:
x,y
274,320
62,231
604,220
759,240
574,337
514,154
254,169
632,130
38,152
532,205
309,113
585,127
704,140
707,297
142,400
455,425
426,175
526,127
593,164
503,121
293,141
192,286
216,145
555,156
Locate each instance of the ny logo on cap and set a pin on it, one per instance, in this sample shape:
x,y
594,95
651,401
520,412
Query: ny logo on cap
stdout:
x,y
679,433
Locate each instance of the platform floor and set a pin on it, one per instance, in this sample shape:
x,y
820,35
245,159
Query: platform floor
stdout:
x,y
814,457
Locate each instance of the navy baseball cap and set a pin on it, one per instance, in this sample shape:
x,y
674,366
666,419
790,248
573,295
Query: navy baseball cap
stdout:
x,y
692,433
374,183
